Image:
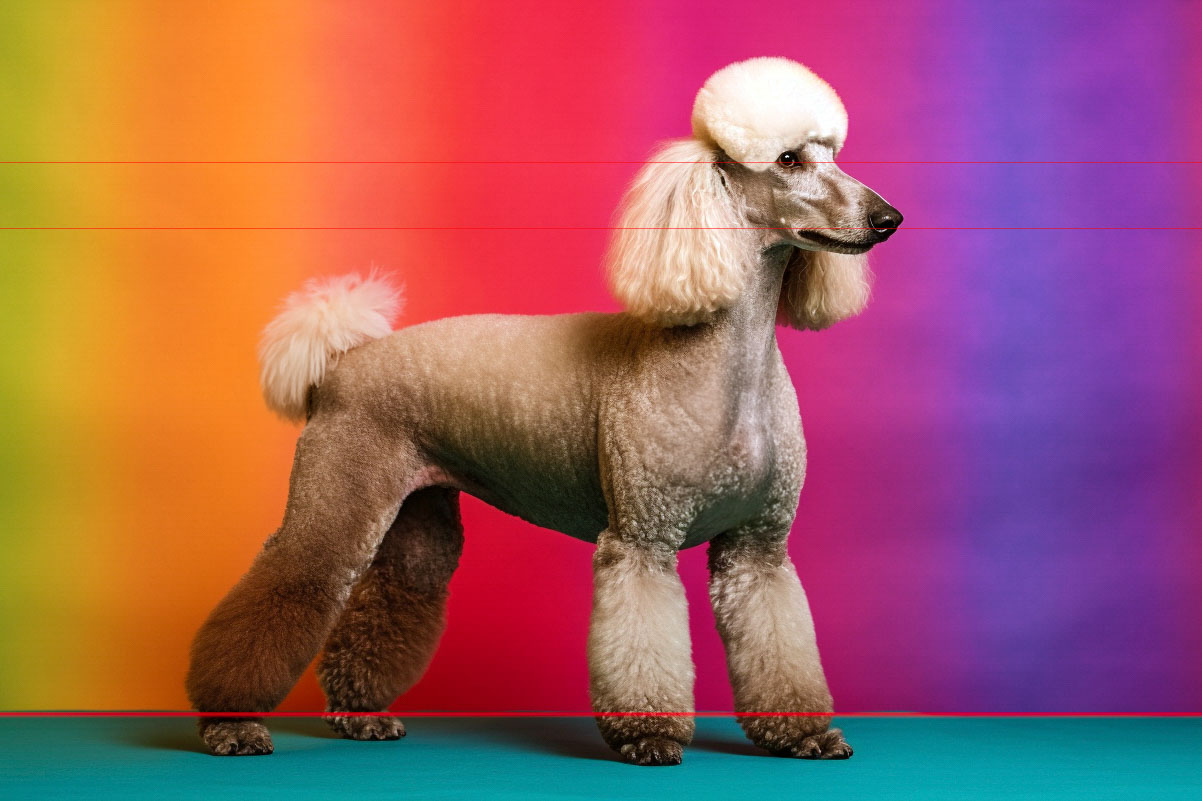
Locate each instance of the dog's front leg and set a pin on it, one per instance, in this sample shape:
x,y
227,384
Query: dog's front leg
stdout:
x,y
640,660
771,651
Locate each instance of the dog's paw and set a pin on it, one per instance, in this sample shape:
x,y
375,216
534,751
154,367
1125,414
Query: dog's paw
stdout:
x,y
366,727
652,751
236,737
827,745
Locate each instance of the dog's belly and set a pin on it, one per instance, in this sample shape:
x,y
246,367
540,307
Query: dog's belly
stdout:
x,y
504,407
572,505
722,515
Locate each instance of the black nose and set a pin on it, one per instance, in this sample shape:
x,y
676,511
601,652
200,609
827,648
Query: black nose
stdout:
x,y
885,221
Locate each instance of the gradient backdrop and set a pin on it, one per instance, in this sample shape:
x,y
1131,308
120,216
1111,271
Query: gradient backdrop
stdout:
x,y
1005,491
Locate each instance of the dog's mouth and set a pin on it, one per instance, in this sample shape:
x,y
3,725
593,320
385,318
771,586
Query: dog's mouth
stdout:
x,y
825,242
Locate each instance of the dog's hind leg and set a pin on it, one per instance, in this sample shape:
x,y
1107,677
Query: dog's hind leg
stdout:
x,y
390,628
640,660
771,651
345,490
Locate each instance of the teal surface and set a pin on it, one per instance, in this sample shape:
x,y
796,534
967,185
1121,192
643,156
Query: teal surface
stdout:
x,y
539,758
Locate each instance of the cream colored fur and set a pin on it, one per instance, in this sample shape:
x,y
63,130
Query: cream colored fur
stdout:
x,y
756,109
771,652
326,318
640,657
677,255
822,288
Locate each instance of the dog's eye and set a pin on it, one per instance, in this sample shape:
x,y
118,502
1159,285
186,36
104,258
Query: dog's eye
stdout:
x,y
788,159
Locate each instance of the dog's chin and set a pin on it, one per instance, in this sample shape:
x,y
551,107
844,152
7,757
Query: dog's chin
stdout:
x,y
814,240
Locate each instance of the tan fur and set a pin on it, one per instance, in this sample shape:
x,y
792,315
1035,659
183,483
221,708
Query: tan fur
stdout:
x,y
254,645
386,636
631,430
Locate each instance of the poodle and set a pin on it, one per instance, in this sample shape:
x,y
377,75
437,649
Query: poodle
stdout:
x,y
668,425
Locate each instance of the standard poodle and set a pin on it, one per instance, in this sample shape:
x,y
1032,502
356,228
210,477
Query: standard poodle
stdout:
x,y
671,424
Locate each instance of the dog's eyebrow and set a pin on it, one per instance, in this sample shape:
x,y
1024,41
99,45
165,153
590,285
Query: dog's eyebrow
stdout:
x,y
825,141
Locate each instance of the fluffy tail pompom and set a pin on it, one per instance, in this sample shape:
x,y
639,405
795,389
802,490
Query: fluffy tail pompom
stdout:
x,y
328,317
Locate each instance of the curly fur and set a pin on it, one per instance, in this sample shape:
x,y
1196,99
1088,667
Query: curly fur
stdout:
x,y
327,317
677,255
639,663
755,109
668,426
822,288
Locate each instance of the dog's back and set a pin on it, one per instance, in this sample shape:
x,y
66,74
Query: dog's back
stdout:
x,y
506,405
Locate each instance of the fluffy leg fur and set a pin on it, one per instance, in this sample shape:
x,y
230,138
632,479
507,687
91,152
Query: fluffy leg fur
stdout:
x,y
640,658
250,651
391,626
771,650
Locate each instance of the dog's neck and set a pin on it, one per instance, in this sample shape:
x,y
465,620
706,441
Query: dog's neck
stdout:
x,y
748,327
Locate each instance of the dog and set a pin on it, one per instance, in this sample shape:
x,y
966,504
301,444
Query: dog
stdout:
x,y
671,424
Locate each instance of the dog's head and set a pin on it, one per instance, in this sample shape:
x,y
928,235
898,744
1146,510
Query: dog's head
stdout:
x,y
757,173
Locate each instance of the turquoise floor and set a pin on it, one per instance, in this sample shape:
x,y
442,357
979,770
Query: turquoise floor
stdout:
x,y
472,758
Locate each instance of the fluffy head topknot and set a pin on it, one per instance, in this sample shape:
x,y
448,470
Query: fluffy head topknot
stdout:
x,y
757,109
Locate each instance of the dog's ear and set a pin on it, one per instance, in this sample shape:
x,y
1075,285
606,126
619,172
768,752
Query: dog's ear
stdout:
x,y
676,256
822,288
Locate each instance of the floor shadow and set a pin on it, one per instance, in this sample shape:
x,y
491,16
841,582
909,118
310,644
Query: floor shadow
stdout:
x,y
306,727
723,745
167,736
180,735
568,737
562,736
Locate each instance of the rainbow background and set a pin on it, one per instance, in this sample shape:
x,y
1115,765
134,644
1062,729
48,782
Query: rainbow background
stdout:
x,y
1005,492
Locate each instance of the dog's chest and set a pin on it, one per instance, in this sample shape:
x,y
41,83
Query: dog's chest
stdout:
x,y
747,451
745,461
737,483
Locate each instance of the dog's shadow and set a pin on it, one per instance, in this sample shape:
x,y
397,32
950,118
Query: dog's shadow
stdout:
x,y
174,735
568,737
181,735
549,735
565,737
734,745
561,736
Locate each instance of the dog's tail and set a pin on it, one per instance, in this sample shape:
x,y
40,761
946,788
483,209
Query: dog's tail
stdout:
x,y
326,318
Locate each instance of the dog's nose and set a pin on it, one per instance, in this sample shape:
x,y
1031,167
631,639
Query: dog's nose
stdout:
x,y
885,221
